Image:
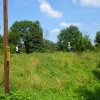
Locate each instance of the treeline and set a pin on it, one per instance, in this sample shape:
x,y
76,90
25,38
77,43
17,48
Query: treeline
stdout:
x,y
29,36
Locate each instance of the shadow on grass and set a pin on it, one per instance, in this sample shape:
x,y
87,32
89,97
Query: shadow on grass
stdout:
x,y
86,94
97,74
89,95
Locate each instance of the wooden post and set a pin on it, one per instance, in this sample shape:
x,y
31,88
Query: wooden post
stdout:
x,y
6,62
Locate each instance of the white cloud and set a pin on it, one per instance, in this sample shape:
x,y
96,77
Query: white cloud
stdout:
x,y
90,3
68,24
56,30
46,8
74,1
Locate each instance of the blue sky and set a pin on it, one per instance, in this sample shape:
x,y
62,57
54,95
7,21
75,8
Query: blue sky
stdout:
x,y
55,15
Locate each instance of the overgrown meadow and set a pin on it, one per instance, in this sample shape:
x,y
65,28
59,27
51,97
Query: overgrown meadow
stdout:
x,y
52,76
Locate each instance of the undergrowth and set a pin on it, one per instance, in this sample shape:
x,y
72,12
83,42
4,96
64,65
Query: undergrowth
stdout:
x,y
52,76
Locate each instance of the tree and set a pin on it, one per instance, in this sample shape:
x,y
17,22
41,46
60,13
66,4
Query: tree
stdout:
x,y
79,42
97,38
1,39
72,35
86,43
1,44
28,33
13,37
49,46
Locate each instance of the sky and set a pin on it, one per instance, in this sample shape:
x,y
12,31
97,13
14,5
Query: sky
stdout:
x,y
55,15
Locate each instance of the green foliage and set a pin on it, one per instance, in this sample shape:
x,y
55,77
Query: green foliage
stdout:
x,y
74,36
96,48
1,38
86,43
29,33
53,76
97,38
49,46
12,48
13,38
1,44
1,48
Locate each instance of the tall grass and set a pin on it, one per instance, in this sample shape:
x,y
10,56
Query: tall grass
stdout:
x,y
53,76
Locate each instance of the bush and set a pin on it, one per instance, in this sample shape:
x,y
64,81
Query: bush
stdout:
x,y
12,48
1,48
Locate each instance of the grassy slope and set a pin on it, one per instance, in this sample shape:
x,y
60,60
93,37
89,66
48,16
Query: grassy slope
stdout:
x,y
53,76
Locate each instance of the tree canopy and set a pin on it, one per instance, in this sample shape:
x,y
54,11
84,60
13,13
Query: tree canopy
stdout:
x,y
72,35
97,38
75,37
28,33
